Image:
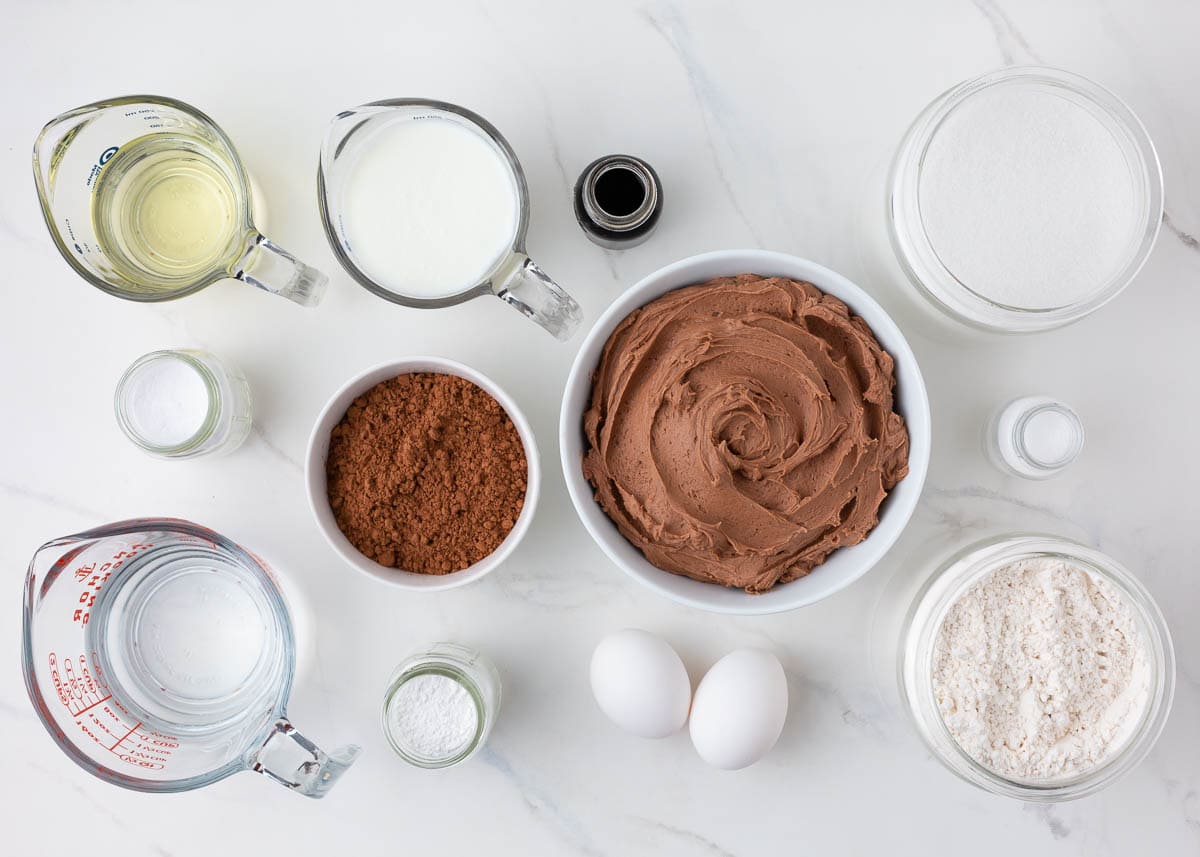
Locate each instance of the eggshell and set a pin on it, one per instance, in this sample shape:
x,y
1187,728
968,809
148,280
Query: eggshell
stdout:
x,y
739,709
640,683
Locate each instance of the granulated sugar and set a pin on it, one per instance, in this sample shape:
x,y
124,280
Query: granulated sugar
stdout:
x,y
1027,198
1040,671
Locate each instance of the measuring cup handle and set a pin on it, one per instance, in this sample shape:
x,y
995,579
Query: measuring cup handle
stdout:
x,y
292,760
269,267
526,287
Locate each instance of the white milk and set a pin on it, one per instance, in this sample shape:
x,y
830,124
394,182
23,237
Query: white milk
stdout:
x,y
429,207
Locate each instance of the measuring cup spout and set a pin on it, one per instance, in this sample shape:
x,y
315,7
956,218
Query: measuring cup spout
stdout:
x,y
292,760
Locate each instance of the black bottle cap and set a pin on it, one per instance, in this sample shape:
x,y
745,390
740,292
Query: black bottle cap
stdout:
x,y
618,200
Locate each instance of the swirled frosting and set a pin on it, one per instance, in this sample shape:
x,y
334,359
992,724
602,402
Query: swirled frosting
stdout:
x,y
741,430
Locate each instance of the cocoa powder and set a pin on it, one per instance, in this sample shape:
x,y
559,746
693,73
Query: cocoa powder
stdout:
x,y
426,473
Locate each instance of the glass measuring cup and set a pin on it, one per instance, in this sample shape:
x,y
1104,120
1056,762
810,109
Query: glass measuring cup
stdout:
x,y
146,198
512,275
160,655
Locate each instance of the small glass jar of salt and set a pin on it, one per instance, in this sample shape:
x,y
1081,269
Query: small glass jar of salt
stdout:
x,y
183,403
440,705
1034,437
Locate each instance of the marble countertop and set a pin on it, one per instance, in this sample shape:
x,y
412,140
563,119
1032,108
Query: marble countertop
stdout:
x,y
766,122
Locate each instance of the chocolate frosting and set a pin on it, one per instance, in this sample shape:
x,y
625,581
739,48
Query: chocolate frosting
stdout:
x,y
741,430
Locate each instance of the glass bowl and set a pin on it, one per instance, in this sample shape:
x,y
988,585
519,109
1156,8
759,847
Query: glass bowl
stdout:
x,y
916,651
914,248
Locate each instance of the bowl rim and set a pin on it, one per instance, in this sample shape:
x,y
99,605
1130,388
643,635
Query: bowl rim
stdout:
x,y
915,251
895,514
318,446
949,582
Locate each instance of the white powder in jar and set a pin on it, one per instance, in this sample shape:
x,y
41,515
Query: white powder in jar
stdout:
x,y
1027,198
166,401
1040,671
432,717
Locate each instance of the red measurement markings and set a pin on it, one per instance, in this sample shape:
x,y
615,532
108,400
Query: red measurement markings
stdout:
x,y
93,575
86,731
146,749
93,705
262,563
120,740
77,688
104,720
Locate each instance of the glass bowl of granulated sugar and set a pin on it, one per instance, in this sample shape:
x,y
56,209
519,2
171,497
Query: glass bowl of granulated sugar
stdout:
x,y
1024,199
1036,668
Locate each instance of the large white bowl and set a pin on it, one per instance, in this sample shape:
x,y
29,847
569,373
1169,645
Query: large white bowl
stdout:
x,y
844,565
318,497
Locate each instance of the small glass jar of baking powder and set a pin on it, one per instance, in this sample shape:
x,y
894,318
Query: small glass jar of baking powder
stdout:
x,y
183,403
1034,437
440,705
923,622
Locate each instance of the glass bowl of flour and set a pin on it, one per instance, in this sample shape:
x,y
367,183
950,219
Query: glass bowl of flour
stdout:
x,y
1036,668
1024,199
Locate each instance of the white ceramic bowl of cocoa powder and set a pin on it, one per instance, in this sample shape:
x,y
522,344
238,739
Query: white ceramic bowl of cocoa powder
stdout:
x,y
844,565
318,499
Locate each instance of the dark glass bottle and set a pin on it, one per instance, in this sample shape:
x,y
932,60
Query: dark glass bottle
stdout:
x,y
618,201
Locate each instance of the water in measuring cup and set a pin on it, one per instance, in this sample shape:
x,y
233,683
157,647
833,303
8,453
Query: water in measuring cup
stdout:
x,y
189,640
167,208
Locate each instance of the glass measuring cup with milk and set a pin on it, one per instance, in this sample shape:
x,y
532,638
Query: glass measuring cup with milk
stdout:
x,y
425,205
159,655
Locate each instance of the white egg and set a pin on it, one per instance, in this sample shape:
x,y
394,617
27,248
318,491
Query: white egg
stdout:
x,y
640,683
739,709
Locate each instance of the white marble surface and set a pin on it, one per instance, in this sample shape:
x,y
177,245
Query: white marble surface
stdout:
x,y
764,121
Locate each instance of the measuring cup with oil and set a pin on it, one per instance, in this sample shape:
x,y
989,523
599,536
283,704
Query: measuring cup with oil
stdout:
x,y
160,655
147,200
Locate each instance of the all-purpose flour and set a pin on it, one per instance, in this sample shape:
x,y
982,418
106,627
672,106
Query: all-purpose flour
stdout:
x,y
1040,670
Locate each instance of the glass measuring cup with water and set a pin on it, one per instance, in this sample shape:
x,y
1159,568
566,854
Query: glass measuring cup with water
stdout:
x,y
160,655
147,200
425,204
